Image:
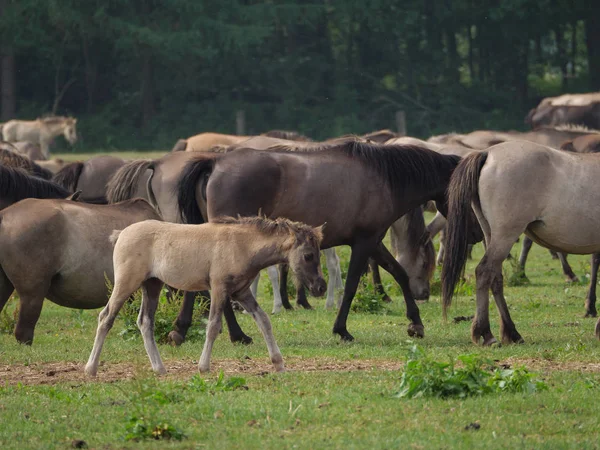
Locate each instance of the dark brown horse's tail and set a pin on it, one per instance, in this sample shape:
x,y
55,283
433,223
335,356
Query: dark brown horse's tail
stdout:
x,y
125,181
68,176
462,190
195,171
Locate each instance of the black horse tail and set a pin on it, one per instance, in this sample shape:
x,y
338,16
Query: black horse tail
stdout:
x,y
125,181
462,190
150,191
68,176
195,171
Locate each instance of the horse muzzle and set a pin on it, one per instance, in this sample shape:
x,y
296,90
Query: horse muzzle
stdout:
x,y
318,288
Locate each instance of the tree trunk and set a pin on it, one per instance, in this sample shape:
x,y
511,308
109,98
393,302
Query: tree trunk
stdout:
x,y
573,46
561,45
8,85
592,41
91,73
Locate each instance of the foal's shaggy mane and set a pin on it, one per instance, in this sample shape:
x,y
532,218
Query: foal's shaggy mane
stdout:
x,y
271,226
17,185
50,120
570,127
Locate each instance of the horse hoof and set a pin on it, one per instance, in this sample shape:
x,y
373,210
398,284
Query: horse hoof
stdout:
x,y
415,330
243,339
572,279
276,311
90,372
346,337
175,338
386,299
490,341
590,314
305,305
512,338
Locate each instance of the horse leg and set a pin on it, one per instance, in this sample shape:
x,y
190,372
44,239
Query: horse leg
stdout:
x,y
440,256
145,322
235,331
217,305
262,321
335,277
508,331
283,277
31,302
358,261
571,277
590,301
6,289
184,319
386,260
106,319
377,281
301,299
525,249
274,278
554,254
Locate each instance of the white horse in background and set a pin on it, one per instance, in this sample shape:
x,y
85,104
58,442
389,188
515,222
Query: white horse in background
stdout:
x,y
41,131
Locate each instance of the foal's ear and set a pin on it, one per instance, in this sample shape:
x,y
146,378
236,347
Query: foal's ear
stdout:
x,y
319,231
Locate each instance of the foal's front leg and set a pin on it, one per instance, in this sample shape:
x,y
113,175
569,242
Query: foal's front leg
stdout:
x,y
213,328
247,300
386,260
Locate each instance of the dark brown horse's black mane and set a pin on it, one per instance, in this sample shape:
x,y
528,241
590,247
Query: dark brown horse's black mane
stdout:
x,y
17,185
69,175
289,135
270,226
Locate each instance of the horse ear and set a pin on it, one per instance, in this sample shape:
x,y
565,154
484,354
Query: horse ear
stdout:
x,y
74,196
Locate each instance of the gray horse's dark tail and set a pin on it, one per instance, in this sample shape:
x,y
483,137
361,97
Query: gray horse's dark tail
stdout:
x,y
462,191
125,181
195,171
68,176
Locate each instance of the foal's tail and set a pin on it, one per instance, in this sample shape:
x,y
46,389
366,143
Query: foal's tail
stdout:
x,y
124,182
195,171
462,191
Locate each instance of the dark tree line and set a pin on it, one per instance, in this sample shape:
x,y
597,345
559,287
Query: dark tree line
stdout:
x,y
141,73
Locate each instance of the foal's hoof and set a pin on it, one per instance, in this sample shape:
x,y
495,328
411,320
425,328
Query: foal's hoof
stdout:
x,y
175,338
243,339
415,330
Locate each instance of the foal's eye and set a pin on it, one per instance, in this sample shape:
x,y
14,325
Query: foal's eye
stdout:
x,y
309,257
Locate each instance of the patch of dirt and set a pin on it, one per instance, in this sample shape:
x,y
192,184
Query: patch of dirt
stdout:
x,y
70,372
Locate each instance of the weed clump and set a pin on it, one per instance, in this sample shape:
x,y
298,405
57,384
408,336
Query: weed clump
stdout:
x,y
425,377
367,299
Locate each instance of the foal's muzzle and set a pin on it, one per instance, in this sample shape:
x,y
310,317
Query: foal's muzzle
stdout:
x,y
318,288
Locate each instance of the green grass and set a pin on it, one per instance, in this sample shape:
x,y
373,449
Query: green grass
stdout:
x,y
313,405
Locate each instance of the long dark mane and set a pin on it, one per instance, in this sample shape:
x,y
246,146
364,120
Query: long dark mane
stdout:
x,y
17,185
402,165
69,175
10,158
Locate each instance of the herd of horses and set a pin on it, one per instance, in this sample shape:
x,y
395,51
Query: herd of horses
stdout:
x,y
214,212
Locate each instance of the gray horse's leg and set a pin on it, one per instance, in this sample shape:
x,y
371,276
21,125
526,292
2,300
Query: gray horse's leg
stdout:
x,y
263,323
145,322
571,277
590,301
334,284
31,301
274,278
440,256
525,249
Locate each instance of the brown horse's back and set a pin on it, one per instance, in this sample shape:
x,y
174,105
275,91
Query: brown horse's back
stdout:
x,y
205,141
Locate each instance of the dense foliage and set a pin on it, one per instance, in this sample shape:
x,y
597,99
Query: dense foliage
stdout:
x,y
142,73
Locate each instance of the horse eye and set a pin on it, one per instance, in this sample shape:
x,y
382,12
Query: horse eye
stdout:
x,y
309,257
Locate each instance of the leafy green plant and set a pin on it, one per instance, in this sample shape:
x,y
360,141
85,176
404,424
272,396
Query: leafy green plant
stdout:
x,y
514,274
140,428
199,384
9,316
367,299
425,377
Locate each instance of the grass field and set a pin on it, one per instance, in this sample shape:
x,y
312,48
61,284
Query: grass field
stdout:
x,y
334,394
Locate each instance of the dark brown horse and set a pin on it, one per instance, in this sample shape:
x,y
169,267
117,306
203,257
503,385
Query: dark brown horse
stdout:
x,y
357,189
90,177
10,158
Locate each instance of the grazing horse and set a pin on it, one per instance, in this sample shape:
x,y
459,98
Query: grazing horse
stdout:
x,y
41,131
59,249
358,189
518,187
223,256
90,177
9,158
17,185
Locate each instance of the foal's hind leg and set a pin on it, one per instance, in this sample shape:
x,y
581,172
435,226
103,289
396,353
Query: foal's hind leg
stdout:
x,y
571,277
150,293
384,258
121,292
377,281
262,320
590,301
